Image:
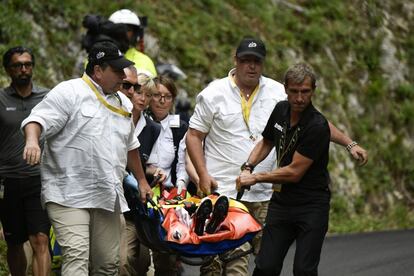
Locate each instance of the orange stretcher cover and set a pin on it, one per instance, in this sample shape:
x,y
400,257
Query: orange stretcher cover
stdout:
x,y
237,224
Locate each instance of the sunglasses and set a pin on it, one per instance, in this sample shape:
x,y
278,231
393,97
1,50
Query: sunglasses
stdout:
x,y
20,65
128,85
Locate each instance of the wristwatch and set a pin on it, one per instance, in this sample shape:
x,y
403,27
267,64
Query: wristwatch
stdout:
x,y
351,145
247,166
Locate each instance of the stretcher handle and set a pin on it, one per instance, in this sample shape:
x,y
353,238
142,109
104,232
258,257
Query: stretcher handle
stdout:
x,y
240,193
229,258
149,199
155,180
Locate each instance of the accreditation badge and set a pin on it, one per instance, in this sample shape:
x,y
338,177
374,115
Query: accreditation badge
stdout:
x,y
174,121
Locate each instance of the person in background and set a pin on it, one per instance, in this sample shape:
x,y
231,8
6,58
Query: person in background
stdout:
x,y
135,257
228,121
135,34
89,142
21,213
168,155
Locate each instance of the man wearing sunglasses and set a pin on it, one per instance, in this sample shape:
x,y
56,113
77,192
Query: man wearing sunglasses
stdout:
x,y
130,84
21,213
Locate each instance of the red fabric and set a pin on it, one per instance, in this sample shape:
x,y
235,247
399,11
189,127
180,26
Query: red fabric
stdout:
x,y
171,193
237,224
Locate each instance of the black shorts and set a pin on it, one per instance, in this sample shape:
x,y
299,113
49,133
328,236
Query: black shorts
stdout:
x,y
21,212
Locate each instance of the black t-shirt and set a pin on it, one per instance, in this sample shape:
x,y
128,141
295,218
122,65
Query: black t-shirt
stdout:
x,y
310,137
13,110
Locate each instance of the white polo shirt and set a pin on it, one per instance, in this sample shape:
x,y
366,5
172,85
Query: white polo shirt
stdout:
x,y
229,141
85,153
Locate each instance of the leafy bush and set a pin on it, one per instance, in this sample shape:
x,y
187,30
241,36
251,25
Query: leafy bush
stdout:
x,y
4,270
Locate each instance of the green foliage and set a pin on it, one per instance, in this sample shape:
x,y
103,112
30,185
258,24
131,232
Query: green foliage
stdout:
x,y
345,219
409,46
339,205
399,217
374,12
376,89
314,37
404,92
4,270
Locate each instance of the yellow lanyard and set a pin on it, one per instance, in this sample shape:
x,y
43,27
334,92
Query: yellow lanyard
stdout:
x,y
247,105
102,100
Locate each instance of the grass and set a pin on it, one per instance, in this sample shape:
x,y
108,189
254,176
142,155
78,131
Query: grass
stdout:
x,y
399,217
3,259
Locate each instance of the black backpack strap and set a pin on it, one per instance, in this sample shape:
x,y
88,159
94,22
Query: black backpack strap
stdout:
x,y
147,139
178,134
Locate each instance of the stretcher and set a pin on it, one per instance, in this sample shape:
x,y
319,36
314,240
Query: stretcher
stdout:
x,y
160,229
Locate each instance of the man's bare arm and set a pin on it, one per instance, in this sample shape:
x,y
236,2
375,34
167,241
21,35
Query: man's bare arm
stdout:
x,y
340,138
134,165
260,151
32,151
291,173
194,142
191,171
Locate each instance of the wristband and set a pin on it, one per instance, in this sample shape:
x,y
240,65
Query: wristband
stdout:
x,y
247,166
351,145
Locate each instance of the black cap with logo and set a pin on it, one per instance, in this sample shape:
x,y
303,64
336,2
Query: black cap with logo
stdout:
x,y
251,46
108,52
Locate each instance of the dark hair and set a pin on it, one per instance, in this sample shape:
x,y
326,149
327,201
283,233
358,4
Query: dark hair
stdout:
x,y
168,83
298,73
137,33
16,50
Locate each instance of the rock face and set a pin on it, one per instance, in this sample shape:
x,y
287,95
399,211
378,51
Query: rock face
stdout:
x,y
362,50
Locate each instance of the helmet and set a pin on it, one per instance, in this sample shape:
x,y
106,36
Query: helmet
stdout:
x,y
125,16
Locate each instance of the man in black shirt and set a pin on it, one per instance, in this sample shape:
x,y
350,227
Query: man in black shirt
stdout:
x,y
21,213
299,207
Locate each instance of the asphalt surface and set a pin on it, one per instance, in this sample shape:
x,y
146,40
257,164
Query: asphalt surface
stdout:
x,y
370,254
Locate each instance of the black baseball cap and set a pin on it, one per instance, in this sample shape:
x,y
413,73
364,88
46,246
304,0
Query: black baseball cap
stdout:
x,y
108,52
251,46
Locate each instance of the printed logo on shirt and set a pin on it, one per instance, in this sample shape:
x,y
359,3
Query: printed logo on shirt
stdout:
x,y
11,108
279,127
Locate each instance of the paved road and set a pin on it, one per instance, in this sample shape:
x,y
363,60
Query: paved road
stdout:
x,y
371,254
